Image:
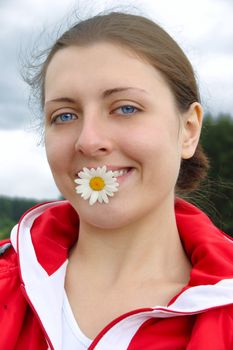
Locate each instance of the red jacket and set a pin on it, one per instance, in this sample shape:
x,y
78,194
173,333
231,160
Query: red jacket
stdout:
x,y
32,283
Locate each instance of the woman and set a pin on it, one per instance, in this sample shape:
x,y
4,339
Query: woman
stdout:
x,y
122,263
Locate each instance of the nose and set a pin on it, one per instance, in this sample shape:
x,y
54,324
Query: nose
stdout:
x,y
94,139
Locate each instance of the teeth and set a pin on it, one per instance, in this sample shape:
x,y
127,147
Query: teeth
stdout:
x,y
120,172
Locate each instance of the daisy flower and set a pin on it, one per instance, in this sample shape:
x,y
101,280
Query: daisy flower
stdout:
x,y
96,184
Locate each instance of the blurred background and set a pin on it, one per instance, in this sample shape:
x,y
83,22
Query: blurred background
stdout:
x,y
202,28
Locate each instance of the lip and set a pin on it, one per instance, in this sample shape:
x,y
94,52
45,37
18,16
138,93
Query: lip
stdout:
x,y
123,177
109,168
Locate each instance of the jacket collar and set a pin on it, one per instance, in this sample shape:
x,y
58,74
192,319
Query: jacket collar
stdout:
x,y
209,250
46,234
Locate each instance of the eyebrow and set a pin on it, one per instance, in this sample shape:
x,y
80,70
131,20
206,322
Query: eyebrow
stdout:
x,y
61,99
110,92
104,94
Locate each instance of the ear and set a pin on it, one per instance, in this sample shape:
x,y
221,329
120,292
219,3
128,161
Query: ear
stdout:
x,y
192,122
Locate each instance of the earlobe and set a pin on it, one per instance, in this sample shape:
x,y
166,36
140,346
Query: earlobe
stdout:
x,y
192,122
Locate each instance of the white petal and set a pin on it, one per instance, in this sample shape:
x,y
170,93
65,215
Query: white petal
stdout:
x,y
100,199
94,197
106,200
111,188
83,186
112,184
81,181
93,172
104,196
80,189
101,173
110,194
86,195
83,175
86,170
110,176
87,191
84,191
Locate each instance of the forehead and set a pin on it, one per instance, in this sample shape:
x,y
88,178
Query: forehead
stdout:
x,y
91,67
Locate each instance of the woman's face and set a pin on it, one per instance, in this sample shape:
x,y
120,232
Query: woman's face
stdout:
x,y
105,106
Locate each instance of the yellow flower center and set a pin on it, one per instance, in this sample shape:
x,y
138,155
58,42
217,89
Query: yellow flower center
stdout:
x,y
97,183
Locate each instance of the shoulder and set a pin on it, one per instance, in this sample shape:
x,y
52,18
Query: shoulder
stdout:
x,y
212,329
9,276
8,259
220,320
229,313
4,246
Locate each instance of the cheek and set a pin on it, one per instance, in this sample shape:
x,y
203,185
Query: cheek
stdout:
x,y
59,155
157,151
58,151
147,144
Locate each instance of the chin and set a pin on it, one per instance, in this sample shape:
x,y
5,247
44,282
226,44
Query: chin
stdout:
x,y
103,216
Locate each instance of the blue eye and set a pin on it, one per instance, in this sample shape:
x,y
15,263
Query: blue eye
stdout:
x,y
64,118
127,109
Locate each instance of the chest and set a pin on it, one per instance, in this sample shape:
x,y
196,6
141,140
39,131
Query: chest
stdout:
x,y
95,308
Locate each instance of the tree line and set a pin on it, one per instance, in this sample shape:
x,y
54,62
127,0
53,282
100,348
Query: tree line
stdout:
x,y
215,196
11,209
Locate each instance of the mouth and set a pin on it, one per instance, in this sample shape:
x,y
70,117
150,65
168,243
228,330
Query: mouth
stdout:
x,y
122,172
97,184
117,172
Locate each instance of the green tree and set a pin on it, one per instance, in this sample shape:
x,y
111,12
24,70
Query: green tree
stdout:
x,y
11,210
217,141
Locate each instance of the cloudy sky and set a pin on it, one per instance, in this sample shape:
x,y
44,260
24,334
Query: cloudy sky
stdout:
x,y
203,28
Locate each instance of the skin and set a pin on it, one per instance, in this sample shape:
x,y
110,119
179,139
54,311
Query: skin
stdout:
x,y
129,251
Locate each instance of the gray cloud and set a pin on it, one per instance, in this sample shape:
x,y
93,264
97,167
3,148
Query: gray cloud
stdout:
x,y
14,112
13,117
205,39
13,93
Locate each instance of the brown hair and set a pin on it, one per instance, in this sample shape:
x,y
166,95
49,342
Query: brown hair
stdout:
x,y
149,41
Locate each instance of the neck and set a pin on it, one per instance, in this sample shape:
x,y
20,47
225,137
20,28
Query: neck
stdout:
x,y
149,247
